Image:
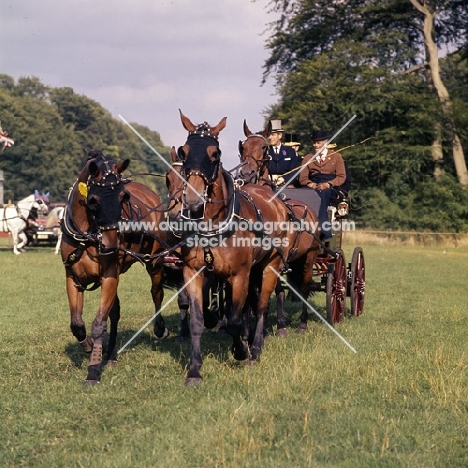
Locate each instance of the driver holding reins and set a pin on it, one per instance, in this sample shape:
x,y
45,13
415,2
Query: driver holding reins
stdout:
x,y
323,171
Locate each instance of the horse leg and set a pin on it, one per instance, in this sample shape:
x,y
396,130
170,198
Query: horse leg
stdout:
x,y
195,293
157,293
183,303
236,324
281,329
109,284
77,325
57,245
114,316
15,238
269,282
305,290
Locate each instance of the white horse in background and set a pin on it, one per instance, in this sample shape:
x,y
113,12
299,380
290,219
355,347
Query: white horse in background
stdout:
x,y
13,218
55,217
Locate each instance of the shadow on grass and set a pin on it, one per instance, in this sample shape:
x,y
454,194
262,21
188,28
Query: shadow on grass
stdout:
x,y
216,344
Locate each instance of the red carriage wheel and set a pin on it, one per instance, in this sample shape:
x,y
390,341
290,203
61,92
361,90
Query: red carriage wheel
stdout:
x,y
336,289
357,282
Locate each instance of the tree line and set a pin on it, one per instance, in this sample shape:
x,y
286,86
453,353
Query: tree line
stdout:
x,y
400,66
54,128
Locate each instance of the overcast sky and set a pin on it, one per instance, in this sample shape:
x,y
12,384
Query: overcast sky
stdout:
x,y
145,59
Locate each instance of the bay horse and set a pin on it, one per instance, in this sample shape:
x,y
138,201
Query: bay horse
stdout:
x,y
254,169
212,203
14,218
216,295
95,252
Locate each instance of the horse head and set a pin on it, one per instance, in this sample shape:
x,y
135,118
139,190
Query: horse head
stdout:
x,y
253,153
102,190
201,160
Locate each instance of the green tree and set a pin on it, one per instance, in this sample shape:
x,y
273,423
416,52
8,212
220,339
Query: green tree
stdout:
x,y
55,128
401,36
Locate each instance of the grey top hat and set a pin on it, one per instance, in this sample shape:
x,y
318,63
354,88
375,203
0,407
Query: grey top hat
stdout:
x,y
276,126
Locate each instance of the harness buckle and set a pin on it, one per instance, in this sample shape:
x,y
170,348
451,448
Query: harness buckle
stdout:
x,y
208,258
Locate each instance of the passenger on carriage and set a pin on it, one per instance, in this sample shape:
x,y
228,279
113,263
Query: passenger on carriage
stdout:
x,y
292,140
324,172
283,158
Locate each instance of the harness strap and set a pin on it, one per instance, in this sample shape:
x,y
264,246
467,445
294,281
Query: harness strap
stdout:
x,y
72,259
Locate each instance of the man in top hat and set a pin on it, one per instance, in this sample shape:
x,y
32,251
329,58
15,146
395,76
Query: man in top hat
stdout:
x,y
323,171
283,158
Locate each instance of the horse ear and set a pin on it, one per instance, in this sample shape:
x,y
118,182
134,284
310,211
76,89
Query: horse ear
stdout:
x,y
121,166
188,125
241,148
247,131
36,194
268,129
222,123
174,156
93,169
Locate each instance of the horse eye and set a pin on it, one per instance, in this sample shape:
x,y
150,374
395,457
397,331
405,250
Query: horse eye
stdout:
x,y
93,203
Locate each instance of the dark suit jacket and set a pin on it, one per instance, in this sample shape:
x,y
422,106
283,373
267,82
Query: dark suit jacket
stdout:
x,y
285,161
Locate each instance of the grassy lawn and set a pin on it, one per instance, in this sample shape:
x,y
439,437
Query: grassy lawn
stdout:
x,y
402,400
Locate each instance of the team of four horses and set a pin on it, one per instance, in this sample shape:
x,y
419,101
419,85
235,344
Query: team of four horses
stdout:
x,y
207,206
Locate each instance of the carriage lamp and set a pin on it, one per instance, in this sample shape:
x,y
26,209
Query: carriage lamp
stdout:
x,y
342,209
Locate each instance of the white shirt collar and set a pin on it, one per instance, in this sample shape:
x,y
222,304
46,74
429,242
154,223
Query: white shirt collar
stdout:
x,y
323,153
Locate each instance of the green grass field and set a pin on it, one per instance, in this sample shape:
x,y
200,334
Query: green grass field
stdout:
x,y
401,401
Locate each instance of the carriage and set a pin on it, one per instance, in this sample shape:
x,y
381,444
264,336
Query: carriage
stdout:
x,y
331,273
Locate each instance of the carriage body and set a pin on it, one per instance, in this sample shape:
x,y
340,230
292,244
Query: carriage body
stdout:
x,y
331,273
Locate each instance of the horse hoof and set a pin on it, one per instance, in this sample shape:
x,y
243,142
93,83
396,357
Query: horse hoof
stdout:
x,y
111,363
163,336
282,332
193,381
91,383
301,331
240,354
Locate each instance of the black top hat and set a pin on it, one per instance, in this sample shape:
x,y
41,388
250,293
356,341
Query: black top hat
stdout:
x,y
319,135
291,139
